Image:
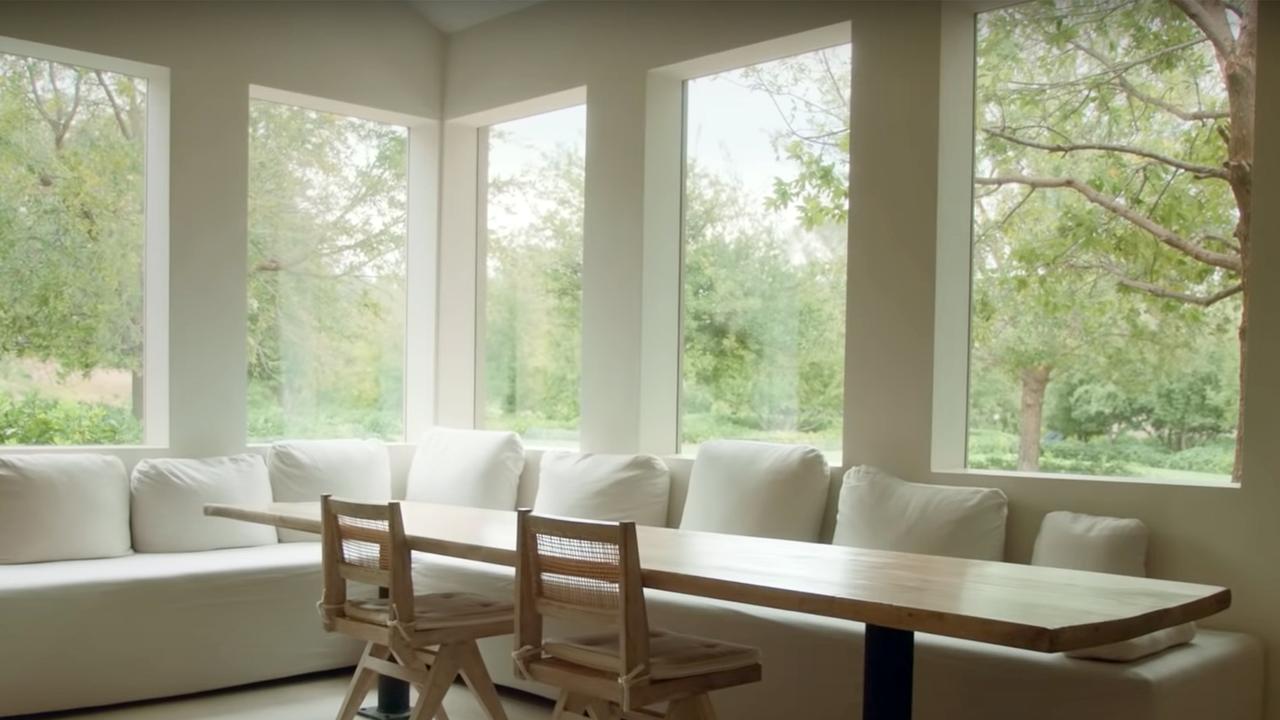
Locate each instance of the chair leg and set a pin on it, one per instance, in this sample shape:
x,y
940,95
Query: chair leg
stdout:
x,y
361,682
439,679
476,676
569,706
694,707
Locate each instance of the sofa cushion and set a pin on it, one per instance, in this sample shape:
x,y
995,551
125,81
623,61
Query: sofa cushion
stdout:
x,y
1110,545
604,487
1090,542
62,507
755,488
882,512
169,497
476,468
303,470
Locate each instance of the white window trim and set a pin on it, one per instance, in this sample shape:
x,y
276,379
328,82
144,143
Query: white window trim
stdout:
x,y
421,249
954,275
155,290
463,237
662,346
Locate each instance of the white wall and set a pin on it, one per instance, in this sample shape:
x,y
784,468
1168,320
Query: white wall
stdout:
x,y
1225,536
380,55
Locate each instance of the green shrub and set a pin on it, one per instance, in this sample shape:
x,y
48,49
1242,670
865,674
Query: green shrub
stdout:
x,y
35,420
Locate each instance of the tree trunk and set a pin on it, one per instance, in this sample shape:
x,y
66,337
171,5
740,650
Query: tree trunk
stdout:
x,y
1034,381
136,395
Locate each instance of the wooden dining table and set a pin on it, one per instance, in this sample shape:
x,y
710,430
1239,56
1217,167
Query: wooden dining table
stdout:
x,y
894,594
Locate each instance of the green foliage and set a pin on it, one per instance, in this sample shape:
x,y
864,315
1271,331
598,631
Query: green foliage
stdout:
x,y
35,420
327,244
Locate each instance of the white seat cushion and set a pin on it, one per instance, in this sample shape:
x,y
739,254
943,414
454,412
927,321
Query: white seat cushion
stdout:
x,y
303,470
151,625
754,488
436,610
476,468
169,497
671,655
881,512
604,487
62,507
1110,545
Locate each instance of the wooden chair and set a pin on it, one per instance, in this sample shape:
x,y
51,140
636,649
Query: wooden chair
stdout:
x,y
425,640
589,572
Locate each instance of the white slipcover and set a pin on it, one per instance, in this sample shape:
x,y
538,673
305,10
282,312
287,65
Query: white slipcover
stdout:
x,y
92,632
169,497
62,507
881,512
604,487
303,470
475,468
814,664
754,488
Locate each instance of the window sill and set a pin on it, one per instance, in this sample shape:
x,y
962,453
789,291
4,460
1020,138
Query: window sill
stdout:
x,y
1225,483
66,449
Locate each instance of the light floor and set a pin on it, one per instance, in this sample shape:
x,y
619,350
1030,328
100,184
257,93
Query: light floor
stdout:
x,y
314,697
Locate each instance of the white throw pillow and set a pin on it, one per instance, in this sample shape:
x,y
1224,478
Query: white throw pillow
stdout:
x,y
62,507
1110,545
755,488
1090,542
476,468
881,512
303,470
604,487
169,497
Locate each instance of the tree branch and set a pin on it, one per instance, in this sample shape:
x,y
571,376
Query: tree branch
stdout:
x,y
1213,24
1132,91
115,106
1202,171
1159,291
1159,232
1115,70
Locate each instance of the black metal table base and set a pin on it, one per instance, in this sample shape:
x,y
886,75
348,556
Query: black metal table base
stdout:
x,y
393,701
888,667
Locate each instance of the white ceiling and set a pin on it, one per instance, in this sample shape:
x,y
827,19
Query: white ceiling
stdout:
x,y
453,15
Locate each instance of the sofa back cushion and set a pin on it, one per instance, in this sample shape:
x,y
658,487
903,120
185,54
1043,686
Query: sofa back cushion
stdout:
x,y
475,468
604,487
169,497
755,488
1091,542
62,507
303,470
881,512
1110,545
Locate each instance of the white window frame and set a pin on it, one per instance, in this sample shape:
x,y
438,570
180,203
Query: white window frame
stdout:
x,y
662,312
155,271
421,248
464,237
954,275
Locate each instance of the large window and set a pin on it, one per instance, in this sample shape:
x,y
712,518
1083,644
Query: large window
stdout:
x,y
765,237
1113,151
83,242
328,229
532,281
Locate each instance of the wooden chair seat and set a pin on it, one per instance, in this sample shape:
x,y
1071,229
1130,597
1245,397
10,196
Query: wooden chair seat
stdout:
x,y
435,610
671,655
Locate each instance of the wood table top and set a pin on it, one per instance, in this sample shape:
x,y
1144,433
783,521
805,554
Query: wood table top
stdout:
x,y
1022,606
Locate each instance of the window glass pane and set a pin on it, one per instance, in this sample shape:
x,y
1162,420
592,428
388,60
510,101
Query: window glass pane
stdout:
x,y
72,239
1111,178
533,276
327,219
765,246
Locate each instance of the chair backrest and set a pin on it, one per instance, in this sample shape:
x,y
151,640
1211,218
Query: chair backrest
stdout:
x,y
581,570
364,543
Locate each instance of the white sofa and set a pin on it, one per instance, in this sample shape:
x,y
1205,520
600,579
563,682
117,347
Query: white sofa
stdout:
x,y
80,633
